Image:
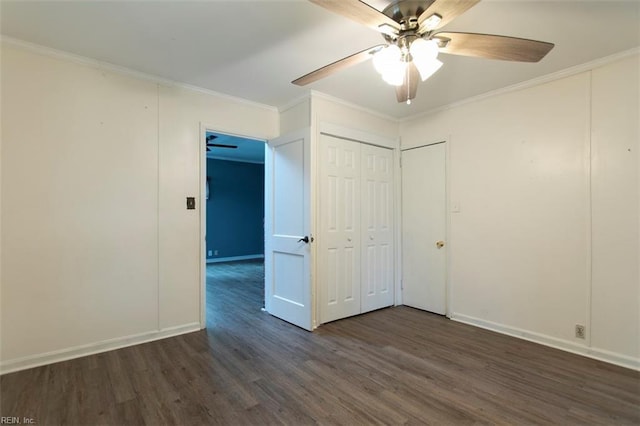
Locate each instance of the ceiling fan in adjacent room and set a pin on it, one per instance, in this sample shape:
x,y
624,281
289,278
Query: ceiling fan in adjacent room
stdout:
x,y
217,145
412,44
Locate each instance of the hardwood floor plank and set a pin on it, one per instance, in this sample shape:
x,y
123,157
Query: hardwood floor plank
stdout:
x,y
393,366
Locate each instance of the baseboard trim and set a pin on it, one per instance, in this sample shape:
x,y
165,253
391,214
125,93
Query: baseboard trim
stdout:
x,y
93,348
553,342
234,258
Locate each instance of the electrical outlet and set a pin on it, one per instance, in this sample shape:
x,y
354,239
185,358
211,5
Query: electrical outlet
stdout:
x,y
580,331
215,252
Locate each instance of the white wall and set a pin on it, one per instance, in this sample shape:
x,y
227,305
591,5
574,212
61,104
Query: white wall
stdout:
x,y
97,248
295,116
521,248
615,135
181,112
318,109
328,110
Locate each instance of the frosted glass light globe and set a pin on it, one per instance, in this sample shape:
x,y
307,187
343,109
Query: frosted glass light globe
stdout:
x,y
424,49
424,54
394,74
387,58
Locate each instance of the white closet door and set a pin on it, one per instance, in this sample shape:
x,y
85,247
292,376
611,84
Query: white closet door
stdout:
x,y
377,228
339,240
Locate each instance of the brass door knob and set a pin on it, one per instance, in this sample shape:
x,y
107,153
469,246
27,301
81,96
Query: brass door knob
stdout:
x,y
440,244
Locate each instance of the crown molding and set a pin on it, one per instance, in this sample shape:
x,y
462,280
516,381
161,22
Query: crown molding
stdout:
x,y
83,60
294,103
320,95
568,72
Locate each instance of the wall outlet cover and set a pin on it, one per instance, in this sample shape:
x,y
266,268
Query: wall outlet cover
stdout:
x,y
580,331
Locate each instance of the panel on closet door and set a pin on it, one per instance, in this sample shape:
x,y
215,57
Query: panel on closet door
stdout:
x,y
339,238
377,228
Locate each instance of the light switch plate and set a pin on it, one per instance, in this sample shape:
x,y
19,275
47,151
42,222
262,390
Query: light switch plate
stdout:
x,y
191,203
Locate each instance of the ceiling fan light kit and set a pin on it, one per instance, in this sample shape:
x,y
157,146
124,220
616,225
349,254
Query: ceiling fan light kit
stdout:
x,y
391,61
412,45
390,64
425,55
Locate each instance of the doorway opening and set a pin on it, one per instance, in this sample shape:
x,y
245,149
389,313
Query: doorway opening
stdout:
x,y
233,219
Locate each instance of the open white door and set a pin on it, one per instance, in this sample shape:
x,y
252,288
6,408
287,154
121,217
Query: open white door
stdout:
x,y
287,228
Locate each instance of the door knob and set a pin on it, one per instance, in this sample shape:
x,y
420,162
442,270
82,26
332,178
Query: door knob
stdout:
x,y
439,244
306,239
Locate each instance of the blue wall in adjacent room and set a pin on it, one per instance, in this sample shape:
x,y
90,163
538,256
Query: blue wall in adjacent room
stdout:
x,y
235,209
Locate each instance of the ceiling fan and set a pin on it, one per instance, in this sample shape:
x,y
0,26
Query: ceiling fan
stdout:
x,y
217,145
412,44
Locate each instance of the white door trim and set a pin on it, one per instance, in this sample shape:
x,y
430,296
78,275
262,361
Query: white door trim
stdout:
x,y
203,225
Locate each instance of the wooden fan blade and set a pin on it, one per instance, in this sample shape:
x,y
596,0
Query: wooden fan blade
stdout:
x,y
494,46
361,12
447,10
336,66
409,88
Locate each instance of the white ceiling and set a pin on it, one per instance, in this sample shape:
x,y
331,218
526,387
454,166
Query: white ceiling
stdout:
x,y
254,49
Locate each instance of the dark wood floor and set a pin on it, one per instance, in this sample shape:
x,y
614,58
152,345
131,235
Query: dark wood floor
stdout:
x,y
394,366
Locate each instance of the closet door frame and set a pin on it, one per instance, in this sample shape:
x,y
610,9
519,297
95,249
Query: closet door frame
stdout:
x,y
342,132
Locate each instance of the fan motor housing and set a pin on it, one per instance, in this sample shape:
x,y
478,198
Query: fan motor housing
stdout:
x,y
406,12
